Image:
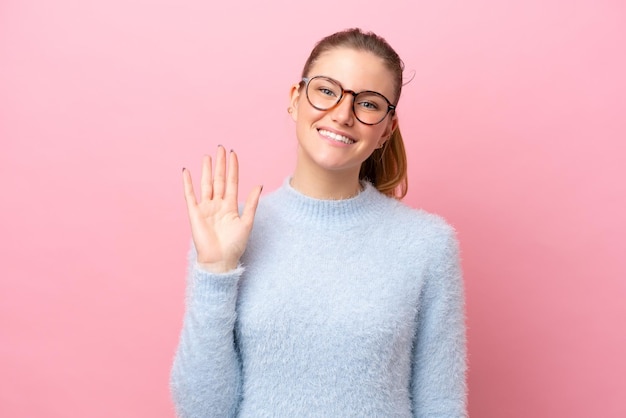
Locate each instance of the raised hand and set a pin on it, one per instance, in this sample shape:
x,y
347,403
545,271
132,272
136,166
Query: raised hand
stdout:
x,y
219,233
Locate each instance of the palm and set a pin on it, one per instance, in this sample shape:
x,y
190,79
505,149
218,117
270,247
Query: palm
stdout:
x,y
219,233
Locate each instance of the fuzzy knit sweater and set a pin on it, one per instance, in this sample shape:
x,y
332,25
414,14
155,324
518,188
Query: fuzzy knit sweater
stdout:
x,y
340,308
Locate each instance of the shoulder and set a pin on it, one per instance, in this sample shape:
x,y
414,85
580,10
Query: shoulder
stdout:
x,y
414,233
398,216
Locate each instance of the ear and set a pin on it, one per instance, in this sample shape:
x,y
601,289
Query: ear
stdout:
x,y
390,127
294,99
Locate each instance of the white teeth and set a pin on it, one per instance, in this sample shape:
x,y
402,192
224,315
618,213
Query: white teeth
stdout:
x,y
336,137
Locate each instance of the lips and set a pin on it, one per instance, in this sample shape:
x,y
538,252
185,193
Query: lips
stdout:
x,y
336,137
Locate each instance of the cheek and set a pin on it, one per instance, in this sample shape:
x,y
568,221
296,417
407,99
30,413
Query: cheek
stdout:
x,y
374,135
305,114
303,124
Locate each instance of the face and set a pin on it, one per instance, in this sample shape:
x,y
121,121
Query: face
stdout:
x,y
334,140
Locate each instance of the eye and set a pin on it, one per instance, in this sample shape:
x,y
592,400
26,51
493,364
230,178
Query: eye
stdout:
x,y
369,105
326,91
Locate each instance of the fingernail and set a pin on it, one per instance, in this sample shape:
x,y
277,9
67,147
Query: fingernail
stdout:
x,y
183,169
231,150
219,145
261,187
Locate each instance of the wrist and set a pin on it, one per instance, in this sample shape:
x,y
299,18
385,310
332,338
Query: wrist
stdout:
x,y
219,267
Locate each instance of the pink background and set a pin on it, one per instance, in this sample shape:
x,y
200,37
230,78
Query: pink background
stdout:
x,y
515,129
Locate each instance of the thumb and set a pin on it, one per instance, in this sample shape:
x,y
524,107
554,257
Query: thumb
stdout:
x,y
249,209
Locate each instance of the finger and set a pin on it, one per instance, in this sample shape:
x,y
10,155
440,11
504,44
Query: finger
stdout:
x,y
190,196
233,177
220,173
206,182
249,209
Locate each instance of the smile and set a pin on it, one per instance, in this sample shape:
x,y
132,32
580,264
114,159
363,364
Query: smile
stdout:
x,y
336,137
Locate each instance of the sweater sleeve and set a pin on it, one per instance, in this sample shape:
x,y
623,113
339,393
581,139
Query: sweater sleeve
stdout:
x,y
439,362
205,378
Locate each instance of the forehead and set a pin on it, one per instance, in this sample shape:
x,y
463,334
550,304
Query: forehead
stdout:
x,y
355,70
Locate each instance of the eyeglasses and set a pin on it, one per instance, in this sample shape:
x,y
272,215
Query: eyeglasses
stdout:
x,y
369,107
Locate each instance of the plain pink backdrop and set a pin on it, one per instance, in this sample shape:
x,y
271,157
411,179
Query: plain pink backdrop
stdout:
x,y
515,129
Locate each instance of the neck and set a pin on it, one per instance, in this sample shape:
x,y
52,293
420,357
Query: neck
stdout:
x,y
326,185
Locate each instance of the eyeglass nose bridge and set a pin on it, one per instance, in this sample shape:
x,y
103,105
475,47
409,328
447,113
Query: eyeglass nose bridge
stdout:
x,y
343,94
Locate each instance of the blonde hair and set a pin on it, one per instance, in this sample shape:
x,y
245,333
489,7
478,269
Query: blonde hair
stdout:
x,y
386,168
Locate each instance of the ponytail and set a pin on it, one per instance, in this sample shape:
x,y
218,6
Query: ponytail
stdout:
x,y
386,168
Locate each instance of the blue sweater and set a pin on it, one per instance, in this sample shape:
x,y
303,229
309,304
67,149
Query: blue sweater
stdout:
x,y
340,308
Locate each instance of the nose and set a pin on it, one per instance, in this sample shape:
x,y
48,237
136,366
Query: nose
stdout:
x,y
342,112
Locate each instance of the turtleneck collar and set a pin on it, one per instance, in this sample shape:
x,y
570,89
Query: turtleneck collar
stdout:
x,y
295,206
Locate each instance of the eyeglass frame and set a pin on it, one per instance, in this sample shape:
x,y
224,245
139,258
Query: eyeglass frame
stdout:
x,y
307,80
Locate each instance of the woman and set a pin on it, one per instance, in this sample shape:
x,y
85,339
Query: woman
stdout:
x,y
345,301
